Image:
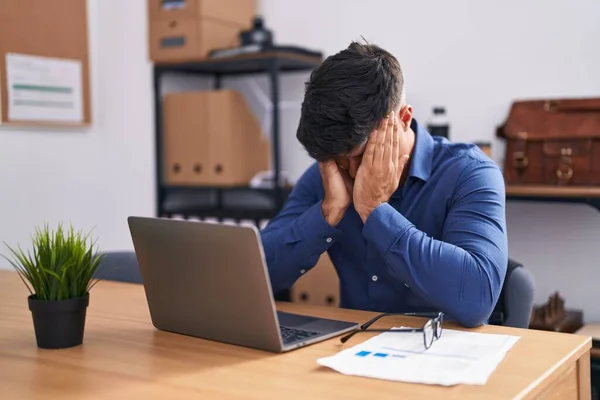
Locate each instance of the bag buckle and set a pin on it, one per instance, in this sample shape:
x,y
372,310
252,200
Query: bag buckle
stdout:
x,y
564,172
520,159
550,105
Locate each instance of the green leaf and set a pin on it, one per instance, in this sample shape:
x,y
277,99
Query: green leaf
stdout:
x,y
61,264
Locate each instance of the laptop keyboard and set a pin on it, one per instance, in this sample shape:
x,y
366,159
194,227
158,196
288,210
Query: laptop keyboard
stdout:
x,y
290,335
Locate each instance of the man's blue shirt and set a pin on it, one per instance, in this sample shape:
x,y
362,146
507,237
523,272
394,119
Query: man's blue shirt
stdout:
x,y
439,244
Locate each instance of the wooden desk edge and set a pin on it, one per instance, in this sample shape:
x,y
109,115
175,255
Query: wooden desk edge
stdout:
x,y
579,359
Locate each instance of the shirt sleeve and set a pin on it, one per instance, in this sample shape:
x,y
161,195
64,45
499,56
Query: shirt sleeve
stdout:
x,y
462,272
295,239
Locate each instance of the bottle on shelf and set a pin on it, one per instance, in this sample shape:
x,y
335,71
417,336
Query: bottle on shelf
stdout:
x,y
438,124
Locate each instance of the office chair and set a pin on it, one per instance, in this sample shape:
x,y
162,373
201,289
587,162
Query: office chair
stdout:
x,y
515,303
119,266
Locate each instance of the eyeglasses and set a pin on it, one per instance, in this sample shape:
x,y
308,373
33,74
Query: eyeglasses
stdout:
x,y
432,329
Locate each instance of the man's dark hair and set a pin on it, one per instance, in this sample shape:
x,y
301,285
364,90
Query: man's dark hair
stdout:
x,y
346,97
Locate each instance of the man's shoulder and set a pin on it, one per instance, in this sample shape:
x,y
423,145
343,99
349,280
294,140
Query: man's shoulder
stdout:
x,y
468,166
463,151
310,181
312,174
463,155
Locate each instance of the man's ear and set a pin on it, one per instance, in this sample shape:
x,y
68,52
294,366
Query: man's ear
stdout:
x,y
405,115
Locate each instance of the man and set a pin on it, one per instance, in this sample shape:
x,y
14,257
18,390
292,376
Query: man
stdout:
x,y
412,223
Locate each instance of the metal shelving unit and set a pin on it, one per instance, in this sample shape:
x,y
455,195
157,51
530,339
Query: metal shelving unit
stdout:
x,y
227,202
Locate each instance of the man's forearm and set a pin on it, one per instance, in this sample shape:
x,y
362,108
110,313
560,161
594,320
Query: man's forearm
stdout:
x,y
462,281
293,245
332,213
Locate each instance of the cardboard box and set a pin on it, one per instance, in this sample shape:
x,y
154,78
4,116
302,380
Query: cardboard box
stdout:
x,y
239,150
169,10
187,30
189,39
320,286
212,138
237,12
185,145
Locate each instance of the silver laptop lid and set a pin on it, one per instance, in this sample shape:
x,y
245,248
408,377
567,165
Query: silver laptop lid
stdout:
x,y
206,280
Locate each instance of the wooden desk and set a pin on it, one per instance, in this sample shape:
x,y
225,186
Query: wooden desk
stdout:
x,y
124,357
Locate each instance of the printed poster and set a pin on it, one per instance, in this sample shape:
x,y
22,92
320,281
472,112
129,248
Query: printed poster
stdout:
x,y
44,89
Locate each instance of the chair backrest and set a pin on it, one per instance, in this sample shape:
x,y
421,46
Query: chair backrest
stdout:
x,y
516,298
119,266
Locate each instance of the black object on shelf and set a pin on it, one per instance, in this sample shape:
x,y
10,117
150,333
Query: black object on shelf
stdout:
x,y
438,124
259,39
258,35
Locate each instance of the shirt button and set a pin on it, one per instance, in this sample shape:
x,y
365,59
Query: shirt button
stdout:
x,y
374,278
302,271
328,240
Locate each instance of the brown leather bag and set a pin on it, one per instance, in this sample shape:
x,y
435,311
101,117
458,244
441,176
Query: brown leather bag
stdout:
x,y
553,142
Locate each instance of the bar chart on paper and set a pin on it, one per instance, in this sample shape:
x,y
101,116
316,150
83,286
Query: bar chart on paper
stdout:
x,y
44,89
379,354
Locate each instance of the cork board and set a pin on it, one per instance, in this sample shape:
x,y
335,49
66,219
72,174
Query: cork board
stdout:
x,y
53,34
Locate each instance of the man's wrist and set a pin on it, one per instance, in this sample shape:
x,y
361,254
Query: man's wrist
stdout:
x,y
365,210
333,213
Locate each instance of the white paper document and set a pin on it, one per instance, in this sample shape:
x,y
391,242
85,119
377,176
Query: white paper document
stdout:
x,y
43,89
456,358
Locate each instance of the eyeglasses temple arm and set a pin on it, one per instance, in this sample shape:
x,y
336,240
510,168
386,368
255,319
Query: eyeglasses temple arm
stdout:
x,y
344,339
415,314
372,321
406,330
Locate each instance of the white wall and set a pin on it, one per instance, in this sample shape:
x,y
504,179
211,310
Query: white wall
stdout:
x,y
473,57
92,177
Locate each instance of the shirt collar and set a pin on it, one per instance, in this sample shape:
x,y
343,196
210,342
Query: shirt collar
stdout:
x,y
422,157
421,160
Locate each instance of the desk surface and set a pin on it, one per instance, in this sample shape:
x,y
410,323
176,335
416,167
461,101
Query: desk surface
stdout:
x,y
124,357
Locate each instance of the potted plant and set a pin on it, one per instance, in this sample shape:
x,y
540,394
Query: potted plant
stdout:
x,y
59,274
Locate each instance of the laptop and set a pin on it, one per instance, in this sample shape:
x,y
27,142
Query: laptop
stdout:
x,y
211,281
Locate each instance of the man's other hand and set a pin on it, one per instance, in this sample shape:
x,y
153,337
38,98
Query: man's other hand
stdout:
x,y
338,192
379,173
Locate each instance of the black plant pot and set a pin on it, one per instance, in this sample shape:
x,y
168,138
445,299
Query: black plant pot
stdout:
x,y
59,324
